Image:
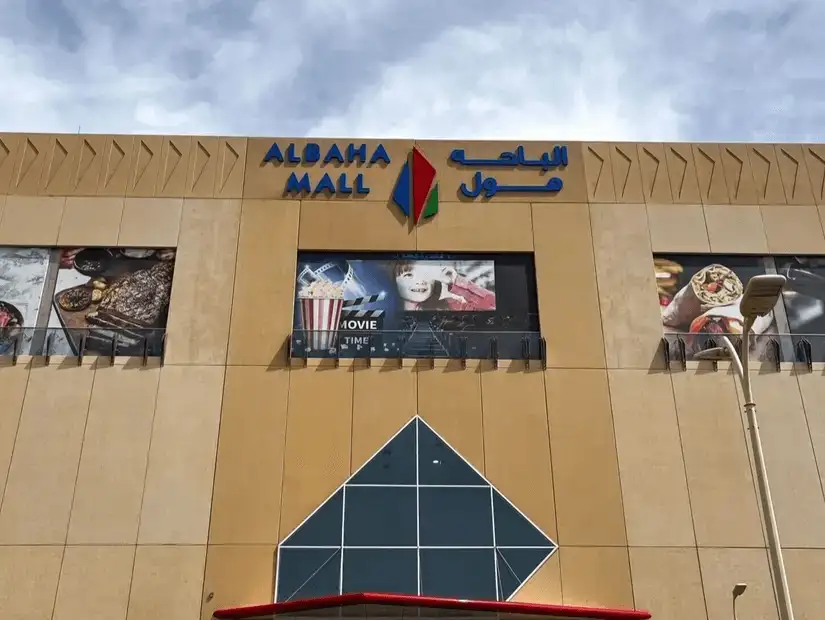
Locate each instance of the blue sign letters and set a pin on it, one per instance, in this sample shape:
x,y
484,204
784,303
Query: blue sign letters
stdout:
x,y
312,154
345,155
490,187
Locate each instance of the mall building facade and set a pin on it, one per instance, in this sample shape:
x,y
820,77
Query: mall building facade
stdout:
x,y
243,370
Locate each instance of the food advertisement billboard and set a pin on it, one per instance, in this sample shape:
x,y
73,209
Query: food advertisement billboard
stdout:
x,y
106,292
23,273
700,296
100,300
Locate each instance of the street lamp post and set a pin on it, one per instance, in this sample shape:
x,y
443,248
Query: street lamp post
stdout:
x,y
760,297
738,590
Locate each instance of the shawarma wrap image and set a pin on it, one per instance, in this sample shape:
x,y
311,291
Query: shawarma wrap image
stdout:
x,y
711,287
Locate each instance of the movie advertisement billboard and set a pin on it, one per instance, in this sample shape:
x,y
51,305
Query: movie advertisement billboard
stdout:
x,y
352,300
700,297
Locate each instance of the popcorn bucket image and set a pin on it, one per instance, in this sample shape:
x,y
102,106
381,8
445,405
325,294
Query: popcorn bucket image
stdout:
x,y
321,305
338,273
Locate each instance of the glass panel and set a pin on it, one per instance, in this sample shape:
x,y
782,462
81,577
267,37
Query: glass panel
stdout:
x,y
458,573
455,517
440,464
308,573
804,292
389,571
323,528
516,565
508,582
394,464
380,517
513,529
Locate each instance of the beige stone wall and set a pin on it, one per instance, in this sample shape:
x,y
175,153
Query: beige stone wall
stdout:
x,y
136,493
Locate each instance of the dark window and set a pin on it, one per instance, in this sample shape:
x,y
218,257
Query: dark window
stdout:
x,y
804,300
438,463
394,464
455,517
390,571
515,566
458,573
380,517
309,573
319,530
513,529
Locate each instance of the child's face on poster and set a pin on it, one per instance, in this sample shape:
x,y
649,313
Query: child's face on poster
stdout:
x,y
414,283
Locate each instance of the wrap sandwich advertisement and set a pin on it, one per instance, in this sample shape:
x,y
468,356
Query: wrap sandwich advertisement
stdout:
x,y
724,320
711,287
701,302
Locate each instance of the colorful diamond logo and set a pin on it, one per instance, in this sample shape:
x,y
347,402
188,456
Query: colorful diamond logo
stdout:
x,y
416,192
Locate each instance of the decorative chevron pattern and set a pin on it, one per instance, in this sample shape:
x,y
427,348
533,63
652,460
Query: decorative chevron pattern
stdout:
x,y
213,167
621,172
141,166
706,169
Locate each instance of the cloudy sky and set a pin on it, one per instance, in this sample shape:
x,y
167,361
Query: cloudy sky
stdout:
x,y
544,69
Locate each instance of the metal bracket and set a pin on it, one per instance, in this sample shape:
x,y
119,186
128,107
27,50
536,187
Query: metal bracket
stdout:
x,y
665,344
543,352
681,350
15,350
81,350
774,353
525,351
525,348
494,352
114,350
711,344
805,352
47,351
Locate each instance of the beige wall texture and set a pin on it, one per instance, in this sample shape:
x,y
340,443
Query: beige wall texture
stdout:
x,y
132,493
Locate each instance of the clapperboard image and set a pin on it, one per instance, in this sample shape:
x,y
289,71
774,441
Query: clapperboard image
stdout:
x,y
360,329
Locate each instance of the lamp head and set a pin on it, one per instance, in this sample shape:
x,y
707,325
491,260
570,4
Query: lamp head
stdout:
x,y
739,589
761,294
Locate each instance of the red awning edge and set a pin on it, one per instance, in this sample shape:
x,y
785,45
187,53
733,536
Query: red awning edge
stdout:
x,y
346,600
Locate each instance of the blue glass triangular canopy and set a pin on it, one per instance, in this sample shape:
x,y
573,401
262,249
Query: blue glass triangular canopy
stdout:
x,y
415,508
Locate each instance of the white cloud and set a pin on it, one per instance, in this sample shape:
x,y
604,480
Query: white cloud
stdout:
x,y
510,81
560,69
